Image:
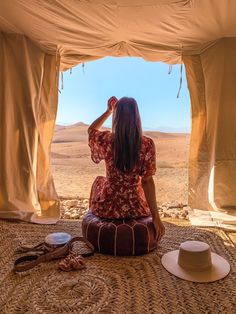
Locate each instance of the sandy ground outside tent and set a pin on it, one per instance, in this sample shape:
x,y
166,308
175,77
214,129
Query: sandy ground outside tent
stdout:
x,y
74,171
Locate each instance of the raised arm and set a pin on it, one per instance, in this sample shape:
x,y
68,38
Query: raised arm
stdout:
x,y
100,120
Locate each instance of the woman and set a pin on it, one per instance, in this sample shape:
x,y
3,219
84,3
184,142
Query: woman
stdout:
x,y
128,190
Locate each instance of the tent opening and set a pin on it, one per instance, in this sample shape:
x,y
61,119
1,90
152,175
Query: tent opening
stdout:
x,y
165,118
174,32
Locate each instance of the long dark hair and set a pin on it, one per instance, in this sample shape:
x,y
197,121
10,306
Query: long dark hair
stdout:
x,y
127,134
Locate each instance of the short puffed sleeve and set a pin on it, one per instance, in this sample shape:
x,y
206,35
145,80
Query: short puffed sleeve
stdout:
x,y
98,143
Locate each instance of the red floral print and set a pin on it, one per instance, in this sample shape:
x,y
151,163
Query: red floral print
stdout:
x,y
120,195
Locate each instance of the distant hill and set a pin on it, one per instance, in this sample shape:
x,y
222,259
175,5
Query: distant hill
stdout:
x,y
78,133
70,133
78,124
157,134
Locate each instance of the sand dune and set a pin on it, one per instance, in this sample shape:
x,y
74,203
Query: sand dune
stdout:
x,y
74,171
73,133
78,132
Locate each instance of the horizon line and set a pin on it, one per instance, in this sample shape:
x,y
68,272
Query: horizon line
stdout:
x,y
163,129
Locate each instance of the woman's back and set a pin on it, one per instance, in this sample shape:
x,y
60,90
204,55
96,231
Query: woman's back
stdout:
x,y
120,194
128,190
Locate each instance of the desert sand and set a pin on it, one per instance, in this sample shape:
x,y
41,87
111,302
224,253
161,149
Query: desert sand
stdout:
x,y
74,171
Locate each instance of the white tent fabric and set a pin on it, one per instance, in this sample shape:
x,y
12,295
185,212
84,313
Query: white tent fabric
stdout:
x,y
28,105
156,30
212,166
38,39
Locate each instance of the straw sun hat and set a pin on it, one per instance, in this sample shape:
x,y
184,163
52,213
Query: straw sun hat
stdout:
x,y
195,262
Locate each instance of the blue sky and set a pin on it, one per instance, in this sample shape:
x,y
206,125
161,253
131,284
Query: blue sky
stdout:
x,y
85,93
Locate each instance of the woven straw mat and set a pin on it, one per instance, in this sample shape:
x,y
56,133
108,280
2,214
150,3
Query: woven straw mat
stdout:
x,y
111,284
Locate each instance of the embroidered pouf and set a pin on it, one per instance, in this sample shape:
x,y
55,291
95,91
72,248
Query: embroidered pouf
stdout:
x,y
121,237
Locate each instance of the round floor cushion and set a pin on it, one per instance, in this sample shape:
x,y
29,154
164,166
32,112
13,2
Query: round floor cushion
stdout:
x,y
120,236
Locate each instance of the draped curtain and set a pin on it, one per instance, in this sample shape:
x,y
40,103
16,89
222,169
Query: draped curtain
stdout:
x,y
211,78
28,106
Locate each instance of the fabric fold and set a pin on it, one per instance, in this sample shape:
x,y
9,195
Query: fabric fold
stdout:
x,y
28,106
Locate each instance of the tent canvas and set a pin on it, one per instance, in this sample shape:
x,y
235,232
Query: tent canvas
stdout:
x,y
38,40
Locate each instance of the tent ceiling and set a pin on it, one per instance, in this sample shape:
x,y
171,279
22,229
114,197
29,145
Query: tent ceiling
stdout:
x,y
156,30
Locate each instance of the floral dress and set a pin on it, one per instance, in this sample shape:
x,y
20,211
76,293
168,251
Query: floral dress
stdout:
x,y
119,195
